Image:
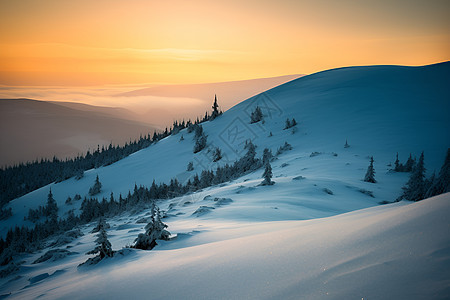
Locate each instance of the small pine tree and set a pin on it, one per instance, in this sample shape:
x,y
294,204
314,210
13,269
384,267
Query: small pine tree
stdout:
x,y
293,123
181,138
154,230
200,143
267,156
103,248
397,164
217,155
346,144
198,131
442,183
409,166
288,124
370,174
190,166
51,209
96,188
215,107
267,175
415,187
256,115
101,224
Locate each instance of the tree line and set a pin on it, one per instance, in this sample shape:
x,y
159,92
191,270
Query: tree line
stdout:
x,y
18,180
25,239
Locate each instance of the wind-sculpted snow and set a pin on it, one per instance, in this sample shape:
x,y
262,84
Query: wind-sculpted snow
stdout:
x,y
396,251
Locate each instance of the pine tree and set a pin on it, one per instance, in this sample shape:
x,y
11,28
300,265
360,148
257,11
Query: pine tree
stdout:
x,y
346,144
51,209
217,155
154,230
248,161
103,248
267,156
96,188
256,115
198,131
409,166
101,224
288,124
200,143
415,187
370,174
190,166
442,183
267,175
215,108
397,164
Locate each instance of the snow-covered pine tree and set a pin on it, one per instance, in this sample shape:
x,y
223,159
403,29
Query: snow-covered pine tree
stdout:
x,y
248,161
217,155
200,143
441,184
256,115
370,174
103,248
198,131
96,188
415,187
154,230
267,175
346,144
101,224
190,166
267,156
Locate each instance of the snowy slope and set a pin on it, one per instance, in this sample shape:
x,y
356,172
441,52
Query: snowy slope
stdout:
x,y
396,251
317,233
381,110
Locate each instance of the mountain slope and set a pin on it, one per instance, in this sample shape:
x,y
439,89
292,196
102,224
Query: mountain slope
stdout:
x,y
32,129
317,233
381,110
387,252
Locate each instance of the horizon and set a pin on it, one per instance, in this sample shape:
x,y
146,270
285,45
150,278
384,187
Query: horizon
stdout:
x,y
259,149
62,44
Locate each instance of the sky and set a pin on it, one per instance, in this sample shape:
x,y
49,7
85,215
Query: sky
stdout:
x,y
112,42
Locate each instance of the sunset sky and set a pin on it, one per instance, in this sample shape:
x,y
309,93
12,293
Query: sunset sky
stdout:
x,y
85,42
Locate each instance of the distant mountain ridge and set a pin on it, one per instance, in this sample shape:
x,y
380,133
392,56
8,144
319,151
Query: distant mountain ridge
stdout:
x,y
32,129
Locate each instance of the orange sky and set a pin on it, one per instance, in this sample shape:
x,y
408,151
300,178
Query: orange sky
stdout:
x,y
85,42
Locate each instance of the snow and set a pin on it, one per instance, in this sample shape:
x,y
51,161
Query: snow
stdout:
x,y
317,233
393,251
380,110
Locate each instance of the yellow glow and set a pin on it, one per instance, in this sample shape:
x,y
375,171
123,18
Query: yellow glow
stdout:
x,y
60,42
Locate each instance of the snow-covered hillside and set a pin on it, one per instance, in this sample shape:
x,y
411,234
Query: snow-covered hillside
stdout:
x,y
243,240
396,251
380,110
